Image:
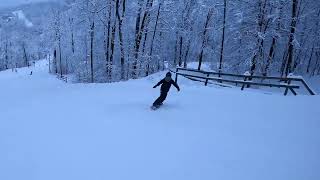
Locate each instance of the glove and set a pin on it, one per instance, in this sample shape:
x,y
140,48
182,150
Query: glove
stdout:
x,y
179,89
154,86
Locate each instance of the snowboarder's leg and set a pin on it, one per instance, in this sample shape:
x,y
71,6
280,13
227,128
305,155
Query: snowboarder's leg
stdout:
x,y
157,101
160,99
163,97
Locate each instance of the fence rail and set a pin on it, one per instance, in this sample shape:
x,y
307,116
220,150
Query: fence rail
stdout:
x,y
245,80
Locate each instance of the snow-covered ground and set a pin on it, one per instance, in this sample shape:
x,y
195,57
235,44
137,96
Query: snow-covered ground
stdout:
x,y
315,81
50,130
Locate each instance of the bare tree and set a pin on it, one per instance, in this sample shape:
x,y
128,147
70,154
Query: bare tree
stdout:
x,y
120,20
223,34
139,33
289,59
204,41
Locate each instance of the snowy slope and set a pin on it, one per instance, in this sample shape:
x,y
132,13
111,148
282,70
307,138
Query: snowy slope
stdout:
x,y
21,16
50,130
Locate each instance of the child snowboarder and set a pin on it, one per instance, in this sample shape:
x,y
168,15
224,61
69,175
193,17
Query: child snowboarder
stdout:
x,y
165,87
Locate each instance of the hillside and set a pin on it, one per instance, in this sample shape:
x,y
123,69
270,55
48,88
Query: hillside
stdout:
x,y
55,130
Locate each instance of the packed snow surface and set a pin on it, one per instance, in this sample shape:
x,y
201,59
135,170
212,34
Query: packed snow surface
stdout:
x,y
51,130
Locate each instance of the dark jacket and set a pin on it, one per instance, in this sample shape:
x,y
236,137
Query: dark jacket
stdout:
x,y
166,84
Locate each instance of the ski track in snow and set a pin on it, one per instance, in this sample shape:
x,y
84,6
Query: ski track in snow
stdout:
x,y
50,130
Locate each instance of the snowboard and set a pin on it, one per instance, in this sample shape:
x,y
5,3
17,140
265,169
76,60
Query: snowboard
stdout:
x,y
155,107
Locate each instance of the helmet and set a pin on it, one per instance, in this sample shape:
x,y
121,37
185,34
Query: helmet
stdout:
x,y
168,74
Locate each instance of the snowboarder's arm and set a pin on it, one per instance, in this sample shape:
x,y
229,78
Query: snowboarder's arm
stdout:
x,y
158,84
175,85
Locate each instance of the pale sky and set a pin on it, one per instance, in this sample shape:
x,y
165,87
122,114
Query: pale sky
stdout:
x,y
6,3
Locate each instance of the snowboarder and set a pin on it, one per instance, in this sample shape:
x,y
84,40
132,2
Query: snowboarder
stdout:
x,y
165,87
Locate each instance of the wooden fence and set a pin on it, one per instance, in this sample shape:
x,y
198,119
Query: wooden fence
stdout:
x,y
246,80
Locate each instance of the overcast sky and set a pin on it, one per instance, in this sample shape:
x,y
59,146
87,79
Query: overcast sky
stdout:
x,y
6,3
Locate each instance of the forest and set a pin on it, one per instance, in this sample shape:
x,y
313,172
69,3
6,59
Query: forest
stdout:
x,y
116,40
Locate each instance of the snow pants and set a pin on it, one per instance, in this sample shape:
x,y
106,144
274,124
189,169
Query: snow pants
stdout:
x,y
161,98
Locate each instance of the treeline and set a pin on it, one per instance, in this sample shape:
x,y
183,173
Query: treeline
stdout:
x,y
24,37
18,45
114,40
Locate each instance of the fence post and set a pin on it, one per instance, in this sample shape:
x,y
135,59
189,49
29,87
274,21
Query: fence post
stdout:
x,y
243,85
287,88
247,74
176,80
219,75
206,83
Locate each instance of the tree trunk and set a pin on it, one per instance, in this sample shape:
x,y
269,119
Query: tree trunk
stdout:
x,y
107,44
91,50
60,57
120,20
274,42
72,35
112,44
153,37
161,46
317,65
137,43
270,56
146,34
25,55
55,61
260,41
175,53
187,54
209,16
310,59
139,31
223,35
313,45
6,56
49,60
155,29
283,64
288,68
180,53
